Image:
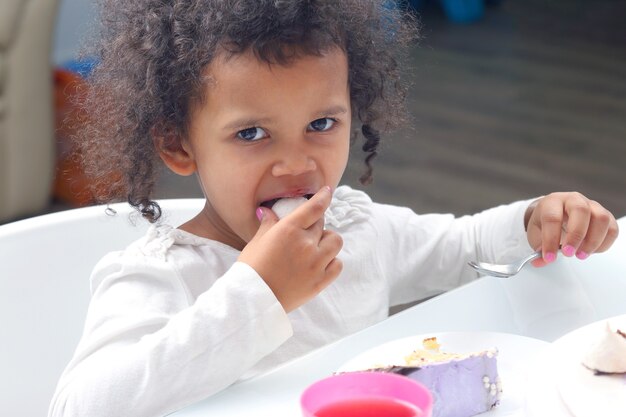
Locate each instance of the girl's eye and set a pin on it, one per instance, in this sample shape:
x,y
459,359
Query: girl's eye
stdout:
x,y
251,134
322,125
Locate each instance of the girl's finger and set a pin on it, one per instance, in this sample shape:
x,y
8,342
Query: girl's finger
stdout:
x,y
597,231
333,269
330,243
538,263
317,230
578,211
611,236
551,218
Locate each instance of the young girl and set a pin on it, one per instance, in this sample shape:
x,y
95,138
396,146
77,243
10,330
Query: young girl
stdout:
x,y
261,99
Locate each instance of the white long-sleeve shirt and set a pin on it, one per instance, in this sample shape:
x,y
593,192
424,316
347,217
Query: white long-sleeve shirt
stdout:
x,y
175,318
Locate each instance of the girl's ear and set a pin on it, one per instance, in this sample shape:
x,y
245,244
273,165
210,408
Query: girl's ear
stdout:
x,y
174,152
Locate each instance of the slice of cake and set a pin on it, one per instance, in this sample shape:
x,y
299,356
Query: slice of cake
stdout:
x,y
461,385
607,355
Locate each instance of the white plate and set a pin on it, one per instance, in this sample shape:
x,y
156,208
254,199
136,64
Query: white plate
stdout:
x,y
515,353
564,387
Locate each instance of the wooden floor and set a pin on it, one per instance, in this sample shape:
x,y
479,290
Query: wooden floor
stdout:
x,y
503,110
529,100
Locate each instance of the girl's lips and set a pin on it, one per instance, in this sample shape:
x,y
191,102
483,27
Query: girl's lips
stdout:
x,y
269,203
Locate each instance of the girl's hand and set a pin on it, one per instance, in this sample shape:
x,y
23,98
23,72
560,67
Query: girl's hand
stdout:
x,y
581,226
296,257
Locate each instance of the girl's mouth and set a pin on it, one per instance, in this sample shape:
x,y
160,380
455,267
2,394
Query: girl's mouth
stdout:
x,y
270,203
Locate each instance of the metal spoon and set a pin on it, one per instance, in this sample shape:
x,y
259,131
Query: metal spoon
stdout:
x,y
503,270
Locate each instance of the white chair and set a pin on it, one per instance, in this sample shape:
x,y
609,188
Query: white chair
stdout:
x,y
27,148
45,263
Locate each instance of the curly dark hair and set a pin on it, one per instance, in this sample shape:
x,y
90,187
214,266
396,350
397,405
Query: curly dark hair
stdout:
x,y
152,54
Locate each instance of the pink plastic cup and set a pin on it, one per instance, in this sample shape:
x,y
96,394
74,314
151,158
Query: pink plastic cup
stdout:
x,y
366,394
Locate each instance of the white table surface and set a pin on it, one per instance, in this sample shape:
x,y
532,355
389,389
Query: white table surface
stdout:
x,y
542,303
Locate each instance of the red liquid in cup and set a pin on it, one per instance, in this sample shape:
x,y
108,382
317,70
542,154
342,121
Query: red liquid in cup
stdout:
x,y
369,407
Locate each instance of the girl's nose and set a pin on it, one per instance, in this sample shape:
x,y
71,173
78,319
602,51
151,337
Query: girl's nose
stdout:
x,y
293,161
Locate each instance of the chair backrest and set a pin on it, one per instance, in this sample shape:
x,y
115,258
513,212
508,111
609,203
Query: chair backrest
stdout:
x,y
45,264
27,148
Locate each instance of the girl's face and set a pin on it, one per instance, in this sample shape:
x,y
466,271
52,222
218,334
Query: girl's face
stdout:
x,y
264,132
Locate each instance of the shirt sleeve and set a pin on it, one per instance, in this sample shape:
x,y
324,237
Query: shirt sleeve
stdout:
x,y
424,255
148,349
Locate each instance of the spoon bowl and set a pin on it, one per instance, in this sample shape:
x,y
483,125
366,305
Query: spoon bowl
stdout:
x,y
503,270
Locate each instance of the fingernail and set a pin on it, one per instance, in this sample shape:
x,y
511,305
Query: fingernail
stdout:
x,y
549,257
259,213
582,255
568,250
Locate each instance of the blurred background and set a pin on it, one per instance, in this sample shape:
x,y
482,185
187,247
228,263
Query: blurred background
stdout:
x,y
509,99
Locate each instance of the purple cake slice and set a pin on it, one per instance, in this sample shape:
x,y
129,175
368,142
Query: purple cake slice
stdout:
x,y
461,385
